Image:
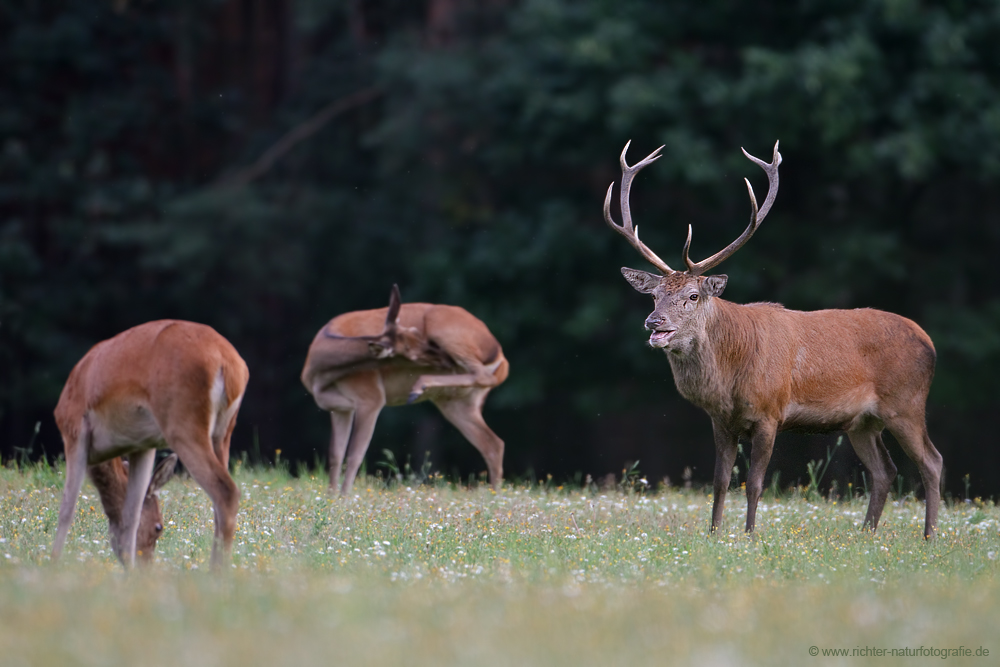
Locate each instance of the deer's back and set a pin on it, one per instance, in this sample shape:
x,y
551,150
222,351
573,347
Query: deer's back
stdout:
x,y
852,347
822,370
152,369
452,328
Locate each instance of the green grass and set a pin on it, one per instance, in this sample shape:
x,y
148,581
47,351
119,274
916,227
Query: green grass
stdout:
x,y
442,575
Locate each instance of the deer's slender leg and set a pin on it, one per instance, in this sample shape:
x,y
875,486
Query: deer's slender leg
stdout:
x,y
368,395
868,445
340,400
140,471
725,456
341,422
465,412
76,469
221,444
194,448
361,437
425,382
912,437
480,377
762,442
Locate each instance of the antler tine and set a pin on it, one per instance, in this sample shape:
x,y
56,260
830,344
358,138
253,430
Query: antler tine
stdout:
x,y
626,229
756,217
687,246
772,178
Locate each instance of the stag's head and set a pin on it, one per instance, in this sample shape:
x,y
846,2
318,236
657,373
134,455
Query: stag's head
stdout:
x,y
682,299
150,519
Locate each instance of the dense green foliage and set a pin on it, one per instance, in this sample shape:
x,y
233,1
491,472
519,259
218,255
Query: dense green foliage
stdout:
x,y
476,178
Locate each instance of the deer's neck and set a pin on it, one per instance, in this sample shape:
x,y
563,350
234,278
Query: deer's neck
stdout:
x,y
111,482
705,374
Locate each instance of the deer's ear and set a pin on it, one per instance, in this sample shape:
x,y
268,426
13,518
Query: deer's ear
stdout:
x,y
714,285
392,315
162,474
640,280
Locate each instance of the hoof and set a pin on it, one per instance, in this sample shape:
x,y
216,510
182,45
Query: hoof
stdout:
x,y
412,397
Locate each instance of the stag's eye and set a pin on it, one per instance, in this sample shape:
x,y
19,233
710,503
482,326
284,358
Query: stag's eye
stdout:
x,y
158,528
694,297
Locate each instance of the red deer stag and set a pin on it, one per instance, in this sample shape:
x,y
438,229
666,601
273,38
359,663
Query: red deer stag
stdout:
x,y
161,384
406,353
759,368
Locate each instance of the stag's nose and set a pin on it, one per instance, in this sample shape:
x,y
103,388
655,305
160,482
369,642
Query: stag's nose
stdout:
x,y
653,321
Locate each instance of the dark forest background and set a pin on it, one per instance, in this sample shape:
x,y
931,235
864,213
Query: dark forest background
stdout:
x,y
263,165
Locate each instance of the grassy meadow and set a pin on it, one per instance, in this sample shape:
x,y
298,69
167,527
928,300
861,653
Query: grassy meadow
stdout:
x,y
535,574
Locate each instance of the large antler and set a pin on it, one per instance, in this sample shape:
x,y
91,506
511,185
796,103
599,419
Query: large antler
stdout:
x,y
696,269
626,229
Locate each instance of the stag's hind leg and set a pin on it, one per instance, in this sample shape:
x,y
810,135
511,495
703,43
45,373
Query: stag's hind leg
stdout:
x,y
912,436
465,411
762,442
868,445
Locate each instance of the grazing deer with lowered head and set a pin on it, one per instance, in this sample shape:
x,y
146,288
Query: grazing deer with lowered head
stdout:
x,y
161,384
759,368
364,360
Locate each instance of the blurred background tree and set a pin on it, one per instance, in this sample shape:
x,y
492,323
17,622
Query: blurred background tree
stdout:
x,y
263,165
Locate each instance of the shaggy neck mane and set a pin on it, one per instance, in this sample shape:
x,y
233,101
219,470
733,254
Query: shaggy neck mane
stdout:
x,y
734,331
723,354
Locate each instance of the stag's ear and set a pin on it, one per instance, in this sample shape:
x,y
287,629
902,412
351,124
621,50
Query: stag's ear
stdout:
x,y
640,280
714,285
162,474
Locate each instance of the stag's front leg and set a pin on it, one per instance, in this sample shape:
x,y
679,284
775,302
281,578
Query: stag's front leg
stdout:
x,y
762,443
725,456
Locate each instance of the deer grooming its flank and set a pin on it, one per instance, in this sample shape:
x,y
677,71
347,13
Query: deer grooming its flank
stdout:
x,y
161,384
364,360
760,368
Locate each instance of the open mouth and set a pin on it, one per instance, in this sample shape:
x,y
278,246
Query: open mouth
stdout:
x,y
661,338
